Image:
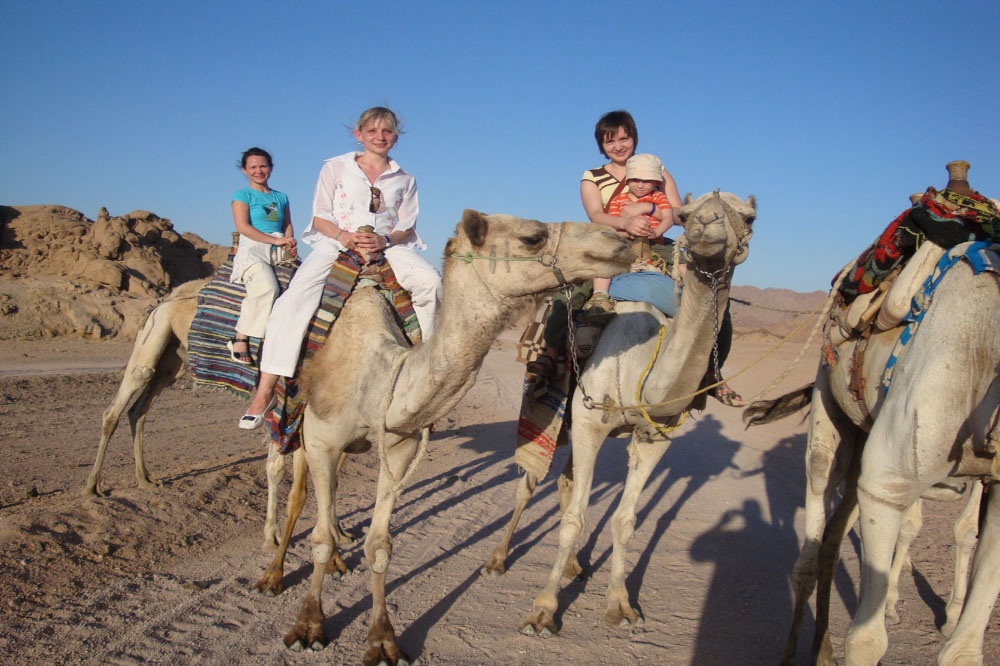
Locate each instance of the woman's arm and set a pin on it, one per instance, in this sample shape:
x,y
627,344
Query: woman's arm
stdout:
x,y
289,232
241,216
590,195
670,192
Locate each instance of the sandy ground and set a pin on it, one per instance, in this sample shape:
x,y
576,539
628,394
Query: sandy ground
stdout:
x,y
164,576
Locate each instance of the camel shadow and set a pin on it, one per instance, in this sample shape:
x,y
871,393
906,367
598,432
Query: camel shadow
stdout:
x,y
696,456
211,468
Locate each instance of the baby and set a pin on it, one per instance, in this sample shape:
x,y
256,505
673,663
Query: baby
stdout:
x,y
644,178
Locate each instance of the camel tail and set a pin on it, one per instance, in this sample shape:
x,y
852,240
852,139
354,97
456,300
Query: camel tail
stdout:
x,y
766,411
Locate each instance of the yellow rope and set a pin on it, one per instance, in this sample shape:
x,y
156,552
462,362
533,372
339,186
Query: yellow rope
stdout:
x,y
611,407
642,380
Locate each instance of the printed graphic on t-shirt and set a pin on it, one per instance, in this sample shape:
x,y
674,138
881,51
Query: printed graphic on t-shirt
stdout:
x,y
271,209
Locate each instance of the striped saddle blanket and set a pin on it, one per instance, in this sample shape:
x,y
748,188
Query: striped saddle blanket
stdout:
x,y
215,322
285,422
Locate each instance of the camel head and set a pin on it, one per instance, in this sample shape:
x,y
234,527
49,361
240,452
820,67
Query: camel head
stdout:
x,y
517,257
717,228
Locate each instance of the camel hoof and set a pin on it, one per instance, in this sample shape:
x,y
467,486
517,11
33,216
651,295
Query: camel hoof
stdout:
x,y
148,484
296,646
574,571
948,628
494,567
384,654
92,492
269,546
623,615
344,537
337,568
539,623
268,586
891,616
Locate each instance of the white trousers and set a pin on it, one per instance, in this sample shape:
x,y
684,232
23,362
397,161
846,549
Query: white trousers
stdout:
x,y
290,315
262,289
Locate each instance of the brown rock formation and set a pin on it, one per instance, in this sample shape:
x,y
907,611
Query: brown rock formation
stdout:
x,y
62,274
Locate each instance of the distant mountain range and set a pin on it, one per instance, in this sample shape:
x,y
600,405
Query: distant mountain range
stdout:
x,y
776,323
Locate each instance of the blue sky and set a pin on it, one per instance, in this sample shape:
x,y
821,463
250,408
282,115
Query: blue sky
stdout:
x,y
830,113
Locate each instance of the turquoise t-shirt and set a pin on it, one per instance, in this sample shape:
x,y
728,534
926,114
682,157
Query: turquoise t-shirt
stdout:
x,y
267,211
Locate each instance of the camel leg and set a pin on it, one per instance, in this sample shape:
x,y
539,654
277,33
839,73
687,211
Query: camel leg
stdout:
x,y
573,570
843,518
275,469
320,455
867,639
381,640
912,522
134,381
587,442
965,645
966,531
168,369
342,537
494,566
832,440
270,584
149,346
643,455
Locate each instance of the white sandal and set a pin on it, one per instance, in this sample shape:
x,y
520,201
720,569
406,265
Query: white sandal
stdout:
x,y
254,421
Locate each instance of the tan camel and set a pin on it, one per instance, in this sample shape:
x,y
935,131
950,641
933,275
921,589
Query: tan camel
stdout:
x,y
368,386
717,229
159,358
936,423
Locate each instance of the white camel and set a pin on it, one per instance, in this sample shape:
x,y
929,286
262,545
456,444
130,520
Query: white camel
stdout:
x,y
368,386
159,358
935,423
717,229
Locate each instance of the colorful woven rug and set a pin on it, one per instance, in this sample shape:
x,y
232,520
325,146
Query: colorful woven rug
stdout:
x,y
540,425
215,323
945,218
285,422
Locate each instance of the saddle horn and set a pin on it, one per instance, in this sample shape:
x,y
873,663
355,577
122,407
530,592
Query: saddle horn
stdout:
x,y
958,177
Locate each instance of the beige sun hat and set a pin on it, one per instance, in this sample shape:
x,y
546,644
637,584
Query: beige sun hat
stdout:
x,y
644,167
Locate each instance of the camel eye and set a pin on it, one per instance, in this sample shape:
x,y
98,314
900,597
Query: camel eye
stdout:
x,y
535,240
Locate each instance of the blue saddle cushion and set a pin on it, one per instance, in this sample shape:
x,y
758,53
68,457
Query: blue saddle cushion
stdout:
x,y
648,287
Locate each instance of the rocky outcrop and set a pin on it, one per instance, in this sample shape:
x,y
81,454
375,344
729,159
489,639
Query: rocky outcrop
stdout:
x,y
63,274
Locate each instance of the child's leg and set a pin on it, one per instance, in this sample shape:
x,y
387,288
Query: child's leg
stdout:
x,y
601,285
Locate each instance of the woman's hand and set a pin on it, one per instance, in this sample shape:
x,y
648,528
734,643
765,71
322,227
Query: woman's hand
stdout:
x,y
287,242
369,242
637,227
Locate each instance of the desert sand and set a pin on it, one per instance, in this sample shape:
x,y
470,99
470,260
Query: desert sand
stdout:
x,y
164,576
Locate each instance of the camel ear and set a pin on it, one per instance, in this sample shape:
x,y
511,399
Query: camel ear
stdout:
x,y
752,202
475,226
688,198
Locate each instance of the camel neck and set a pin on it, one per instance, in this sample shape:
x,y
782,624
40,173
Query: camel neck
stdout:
x,y
439,372
681,365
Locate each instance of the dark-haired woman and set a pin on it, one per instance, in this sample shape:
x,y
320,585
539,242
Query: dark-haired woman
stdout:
x,y
616,136
264,220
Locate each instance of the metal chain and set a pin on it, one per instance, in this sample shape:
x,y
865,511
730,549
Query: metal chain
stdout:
x,y
713,279
588,402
